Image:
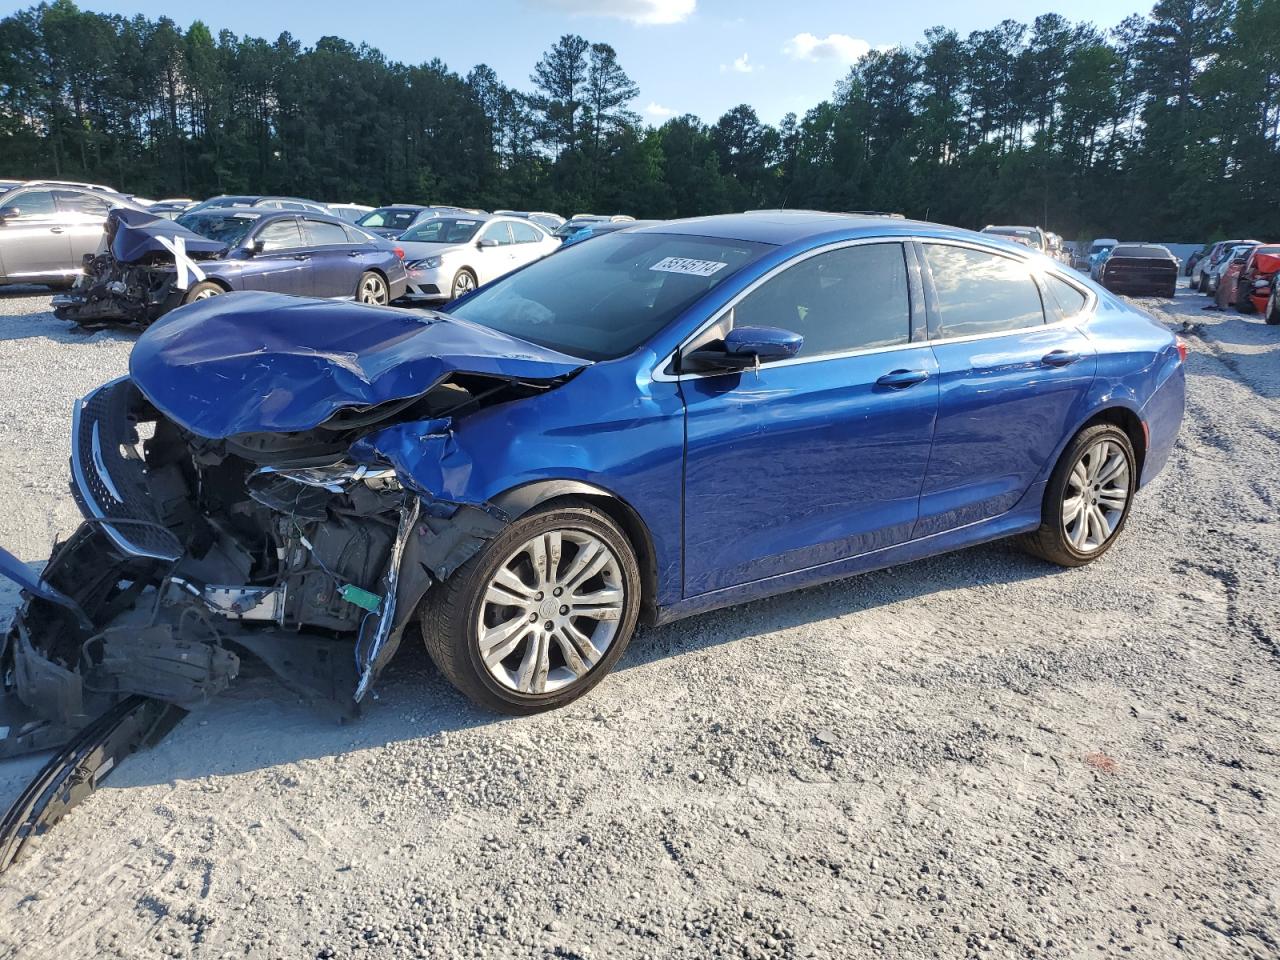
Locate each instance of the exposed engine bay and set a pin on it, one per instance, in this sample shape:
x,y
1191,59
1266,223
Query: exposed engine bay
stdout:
x,y
142,270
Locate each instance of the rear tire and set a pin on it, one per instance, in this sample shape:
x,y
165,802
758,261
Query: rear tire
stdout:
x,y
203,291
1273,307
503,628
1088,498
1243,303
373,289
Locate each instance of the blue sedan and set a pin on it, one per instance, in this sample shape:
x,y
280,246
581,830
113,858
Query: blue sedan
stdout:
x,y
151,264
660,422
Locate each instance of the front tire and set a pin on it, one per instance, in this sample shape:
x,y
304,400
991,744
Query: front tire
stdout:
x,y
464,281
203,291
1088,498
1273,307
373,289
540,615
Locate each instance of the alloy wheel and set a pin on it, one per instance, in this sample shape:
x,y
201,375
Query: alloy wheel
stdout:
x,y
462,283
373,290
205,294
1096,495
551,611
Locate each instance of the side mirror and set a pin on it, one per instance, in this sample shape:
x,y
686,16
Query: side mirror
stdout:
x,y
9,213
744,347
484,242
256,247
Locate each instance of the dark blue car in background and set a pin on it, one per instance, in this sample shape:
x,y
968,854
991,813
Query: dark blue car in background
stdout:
x,y
659,422
151,264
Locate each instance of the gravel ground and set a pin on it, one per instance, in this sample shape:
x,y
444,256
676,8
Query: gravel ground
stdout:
x,y
975,755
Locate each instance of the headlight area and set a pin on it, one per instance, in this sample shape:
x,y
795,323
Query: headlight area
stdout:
x,y
426,263
196,553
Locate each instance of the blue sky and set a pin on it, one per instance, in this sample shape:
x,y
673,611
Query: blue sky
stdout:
x,y
688,56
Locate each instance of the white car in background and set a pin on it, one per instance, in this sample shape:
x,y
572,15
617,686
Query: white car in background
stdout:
x,y
448,256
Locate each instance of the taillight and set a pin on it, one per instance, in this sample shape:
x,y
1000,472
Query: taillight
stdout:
x,y
1182,348
399,252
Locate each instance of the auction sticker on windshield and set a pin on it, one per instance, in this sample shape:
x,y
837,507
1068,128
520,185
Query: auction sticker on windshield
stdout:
x,y
696,268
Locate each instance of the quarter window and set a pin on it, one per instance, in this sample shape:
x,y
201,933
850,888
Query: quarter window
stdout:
x,y
853,298
1068,299
981,292
280,235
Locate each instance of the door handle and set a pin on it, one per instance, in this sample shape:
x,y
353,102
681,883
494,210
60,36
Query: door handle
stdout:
x,y
55,229
302,256
353,253
1059,358
901,379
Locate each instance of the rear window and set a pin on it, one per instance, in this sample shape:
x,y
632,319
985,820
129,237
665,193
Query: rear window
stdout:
x,y
388,218
1141,250
603,299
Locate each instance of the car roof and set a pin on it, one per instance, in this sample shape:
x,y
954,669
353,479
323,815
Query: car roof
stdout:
x,y
786,227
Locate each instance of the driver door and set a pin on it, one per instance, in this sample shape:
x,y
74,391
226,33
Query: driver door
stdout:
x,y
283,265
820,457
34,242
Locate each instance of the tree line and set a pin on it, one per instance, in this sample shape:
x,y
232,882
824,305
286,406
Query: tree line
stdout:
x,y
1167,126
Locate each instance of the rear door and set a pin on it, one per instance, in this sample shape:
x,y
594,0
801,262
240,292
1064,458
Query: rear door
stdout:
x,y
821,457
529,245
283,265
84,215
335,261
1013,378
33,239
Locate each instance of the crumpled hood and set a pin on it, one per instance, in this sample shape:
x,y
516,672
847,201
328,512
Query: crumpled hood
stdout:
x,y
134,234
256,362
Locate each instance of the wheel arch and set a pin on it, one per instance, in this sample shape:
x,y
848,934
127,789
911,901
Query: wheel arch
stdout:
x,y
520,500
380,272
1128,421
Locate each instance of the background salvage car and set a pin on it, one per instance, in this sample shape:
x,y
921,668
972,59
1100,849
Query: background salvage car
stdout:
x,y
149,265
45,232
1140,269
447,257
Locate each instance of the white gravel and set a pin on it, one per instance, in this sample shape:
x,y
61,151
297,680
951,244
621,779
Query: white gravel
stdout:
x,y
975,755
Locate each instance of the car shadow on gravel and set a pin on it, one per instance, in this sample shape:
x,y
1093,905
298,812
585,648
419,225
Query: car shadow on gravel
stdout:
x,y
256,724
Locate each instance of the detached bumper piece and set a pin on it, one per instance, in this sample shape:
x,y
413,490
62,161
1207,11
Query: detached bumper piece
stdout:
x,y
80,767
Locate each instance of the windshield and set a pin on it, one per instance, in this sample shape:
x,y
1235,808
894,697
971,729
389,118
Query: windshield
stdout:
x,y
228,228
394,218
1099,247
444,230
603,299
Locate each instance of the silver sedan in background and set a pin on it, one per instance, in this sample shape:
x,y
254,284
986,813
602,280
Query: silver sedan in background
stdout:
x,y
449,256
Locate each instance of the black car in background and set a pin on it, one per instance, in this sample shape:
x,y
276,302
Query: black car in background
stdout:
x,y
1141,269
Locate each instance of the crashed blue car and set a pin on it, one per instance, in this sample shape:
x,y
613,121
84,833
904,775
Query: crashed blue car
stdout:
x,y
148,265
660,422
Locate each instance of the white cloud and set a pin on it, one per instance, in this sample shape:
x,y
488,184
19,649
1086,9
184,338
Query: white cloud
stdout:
x,y
646,12
741,65
658,111
834,46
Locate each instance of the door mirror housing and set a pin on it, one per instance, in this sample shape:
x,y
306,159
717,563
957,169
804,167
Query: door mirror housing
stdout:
x,y
485,242
743,348
256,247
9,213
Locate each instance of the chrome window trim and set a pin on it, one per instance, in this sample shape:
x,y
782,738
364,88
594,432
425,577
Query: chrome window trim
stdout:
x,y
660,375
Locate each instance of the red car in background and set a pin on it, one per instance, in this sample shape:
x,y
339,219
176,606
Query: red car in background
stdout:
x,y
1224,291
1253,286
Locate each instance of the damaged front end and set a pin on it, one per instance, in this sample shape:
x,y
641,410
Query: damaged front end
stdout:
x,y
142,269
235,507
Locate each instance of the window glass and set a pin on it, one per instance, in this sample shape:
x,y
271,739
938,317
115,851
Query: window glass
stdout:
x,y
526,233
228,228
1069,300
443,230
603,299
498,232
390,218
854,298
356,235
280,235
320,233
981,292
72,201
30,202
